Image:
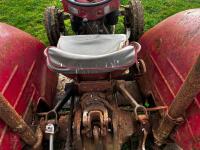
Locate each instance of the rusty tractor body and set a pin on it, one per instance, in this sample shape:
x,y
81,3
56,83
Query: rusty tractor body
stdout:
x,y
170,61
127,97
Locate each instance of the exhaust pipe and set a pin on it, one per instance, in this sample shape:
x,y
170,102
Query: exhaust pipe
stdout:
x,y
16,122
183,99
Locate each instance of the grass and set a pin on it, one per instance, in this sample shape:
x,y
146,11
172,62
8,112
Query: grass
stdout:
x,y
157,10
28,14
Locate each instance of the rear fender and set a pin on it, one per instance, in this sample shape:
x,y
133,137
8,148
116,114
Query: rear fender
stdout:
x,y
24,78
170,49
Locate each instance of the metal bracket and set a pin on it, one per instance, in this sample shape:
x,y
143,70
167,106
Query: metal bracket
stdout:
x,y
50,129
176,121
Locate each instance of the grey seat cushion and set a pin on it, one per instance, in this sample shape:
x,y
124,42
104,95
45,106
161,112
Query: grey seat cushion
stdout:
x,y
86,54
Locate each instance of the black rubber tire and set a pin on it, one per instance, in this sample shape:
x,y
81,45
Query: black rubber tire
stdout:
x,y
54,24
134,19
112,18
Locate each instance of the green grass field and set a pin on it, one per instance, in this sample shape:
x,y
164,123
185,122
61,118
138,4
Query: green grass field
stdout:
x,y
28,14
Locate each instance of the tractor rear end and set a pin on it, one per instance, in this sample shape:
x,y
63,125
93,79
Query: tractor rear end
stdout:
x,y
112,93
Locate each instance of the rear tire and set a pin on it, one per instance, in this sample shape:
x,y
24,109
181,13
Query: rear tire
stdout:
x,y
134,19
54,24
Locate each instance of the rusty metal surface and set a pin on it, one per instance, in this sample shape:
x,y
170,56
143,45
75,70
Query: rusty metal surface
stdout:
x,y
15,122
120,85
62,123
95,119
169,50
90,86
100,124
123,128
133,89
182,101
77,140
39,137
125,125
95,114
62,81
157,108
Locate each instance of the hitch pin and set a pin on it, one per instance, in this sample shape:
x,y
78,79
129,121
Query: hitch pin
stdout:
x,y
50,130
144,138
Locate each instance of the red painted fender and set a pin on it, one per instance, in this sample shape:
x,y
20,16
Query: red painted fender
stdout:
x,y
170,49
24,78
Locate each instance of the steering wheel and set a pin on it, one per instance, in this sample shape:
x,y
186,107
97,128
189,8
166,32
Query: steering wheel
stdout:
x,y
89,4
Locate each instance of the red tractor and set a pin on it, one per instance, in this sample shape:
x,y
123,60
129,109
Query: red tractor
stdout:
x,y
98,90
93,17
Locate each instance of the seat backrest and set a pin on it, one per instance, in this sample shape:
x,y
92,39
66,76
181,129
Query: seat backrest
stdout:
x,y
74,61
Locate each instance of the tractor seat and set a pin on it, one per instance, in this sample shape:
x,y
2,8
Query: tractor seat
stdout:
x,y
91,54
